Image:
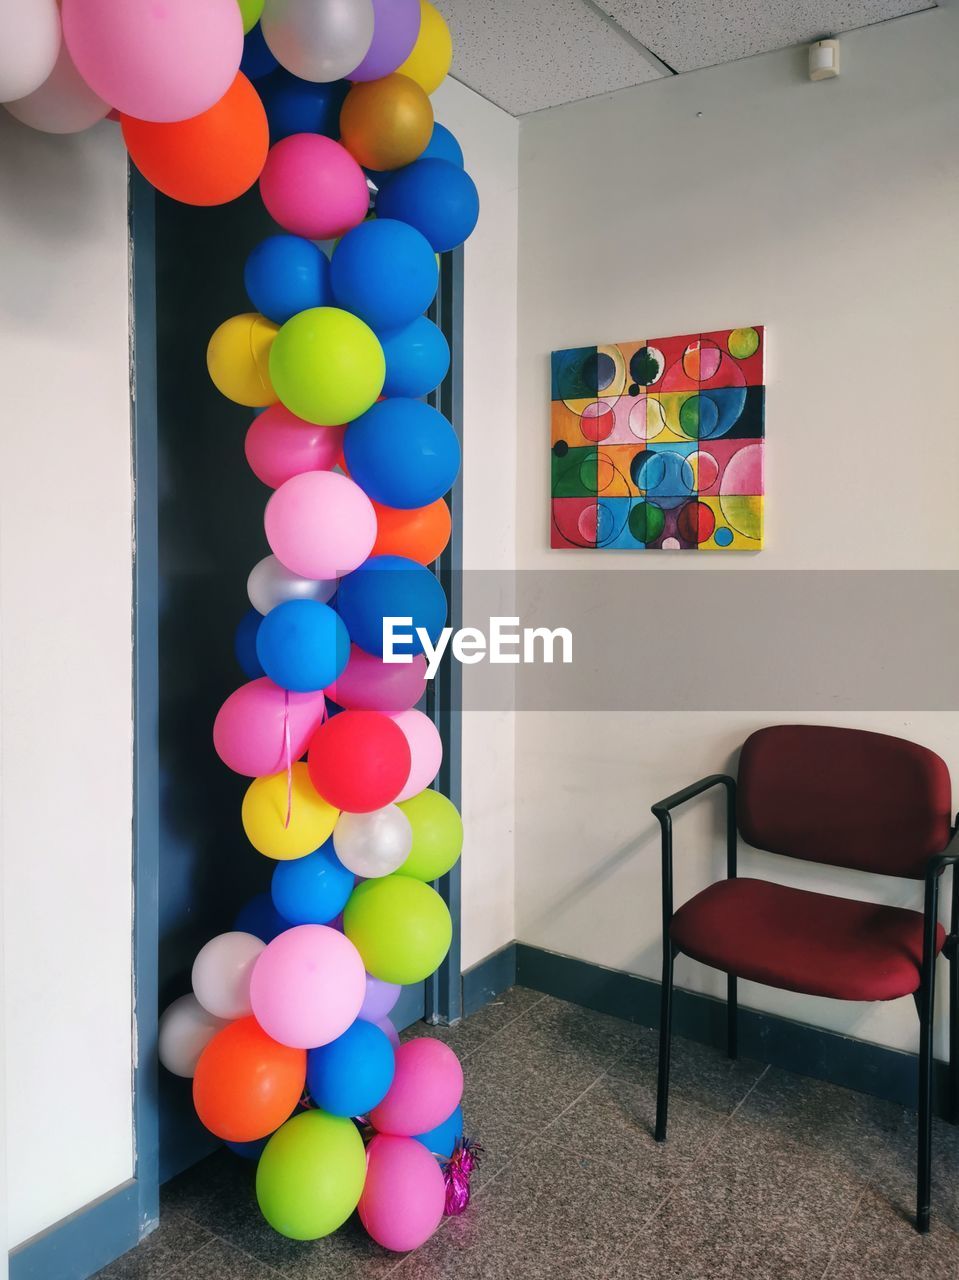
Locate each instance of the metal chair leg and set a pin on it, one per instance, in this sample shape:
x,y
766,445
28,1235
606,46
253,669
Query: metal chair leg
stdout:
x,y
732,1019
952,951
926,1004
665,1037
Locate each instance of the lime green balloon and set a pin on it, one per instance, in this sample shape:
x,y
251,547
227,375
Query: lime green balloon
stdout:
x,y
437,835
327,366
250,12
400,926
310,1176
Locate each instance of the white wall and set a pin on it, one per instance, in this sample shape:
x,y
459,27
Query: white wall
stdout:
x,y
65,654
489,138
738,195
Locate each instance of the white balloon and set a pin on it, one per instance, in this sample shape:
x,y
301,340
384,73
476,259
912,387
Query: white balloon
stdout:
x,y
318,40
270,583
221,974
373,844
186,1028
64,103
29,44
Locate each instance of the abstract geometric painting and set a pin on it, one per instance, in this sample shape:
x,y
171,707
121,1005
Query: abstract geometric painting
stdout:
x,y
657,445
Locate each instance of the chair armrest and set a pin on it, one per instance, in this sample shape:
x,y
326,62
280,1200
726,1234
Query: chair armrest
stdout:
x,y
662,811
936,865
694,789
949,856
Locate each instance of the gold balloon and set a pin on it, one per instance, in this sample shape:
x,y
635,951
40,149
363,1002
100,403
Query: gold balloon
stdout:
x,y
386,123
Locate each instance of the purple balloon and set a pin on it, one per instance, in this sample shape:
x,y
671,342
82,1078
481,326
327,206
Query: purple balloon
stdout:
x,y
396,24
379,999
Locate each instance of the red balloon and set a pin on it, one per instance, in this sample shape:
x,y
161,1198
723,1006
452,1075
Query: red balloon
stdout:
x,y
359,761
246,1084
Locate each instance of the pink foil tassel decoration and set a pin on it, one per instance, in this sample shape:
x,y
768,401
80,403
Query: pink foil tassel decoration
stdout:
x,y
457,1172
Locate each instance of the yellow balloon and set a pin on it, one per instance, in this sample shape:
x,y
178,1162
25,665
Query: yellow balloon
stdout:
x,y
386,123
264,813
433,52
238,359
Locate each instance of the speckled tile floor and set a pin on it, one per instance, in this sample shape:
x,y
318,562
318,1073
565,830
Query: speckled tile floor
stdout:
x,y
765,1174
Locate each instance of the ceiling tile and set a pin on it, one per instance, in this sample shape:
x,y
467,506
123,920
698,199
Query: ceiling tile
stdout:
x,y
528,54
700,33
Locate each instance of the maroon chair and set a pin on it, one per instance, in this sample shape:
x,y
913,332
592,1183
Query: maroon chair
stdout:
x,y
849,799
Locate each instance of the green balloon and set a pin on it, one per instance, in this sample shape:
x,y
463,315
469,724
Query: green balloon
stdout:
x,y
437,835
401,927
327,366
310,1176
250,12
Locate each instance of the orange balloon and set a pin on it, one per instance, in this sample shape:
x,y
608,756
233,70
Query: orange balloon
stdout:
x,y
210,158
246,1084
420,534
386,123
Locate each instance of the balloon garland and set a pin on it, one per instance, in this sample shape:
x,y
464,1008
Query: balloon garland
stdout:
x,y
325,103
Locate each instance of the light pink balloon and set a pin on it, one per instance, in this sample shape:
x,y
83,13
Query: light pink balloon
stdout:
x,y
320,524
427,1087
404,1194
249,732
367,683
279,445
426,751
64,103
155,61
313,187
307,986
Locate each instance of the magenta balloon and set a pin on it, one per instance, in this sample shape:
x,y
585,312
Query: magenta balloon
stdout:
x,y
279,445
307,986
379,999
320,524
367,683
249,732
426,751
404,1194
154,61
396,24
427,1088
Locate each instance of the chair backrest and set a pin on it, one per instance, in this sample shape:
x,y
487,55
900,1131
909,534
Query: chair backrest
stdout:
x,y
845,797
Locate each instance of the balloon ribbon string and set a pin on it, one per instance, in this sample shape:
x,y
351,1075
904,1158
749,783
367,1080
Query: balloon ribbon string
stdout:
x,y
288,748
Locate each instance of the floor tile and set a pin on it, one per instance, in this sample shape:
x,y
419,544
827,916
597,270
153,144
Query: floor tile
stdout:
x,y
219,1261
468,1035
175,1239
881,1242
698,1073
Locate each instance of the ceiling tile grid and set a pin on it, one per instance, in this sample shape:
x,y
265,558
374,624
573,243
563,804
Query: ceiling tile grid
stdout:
x,y
528,54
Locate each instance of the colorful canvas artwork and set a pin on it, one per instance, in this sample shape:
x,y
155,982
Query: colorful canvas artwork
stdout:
x,y
657,445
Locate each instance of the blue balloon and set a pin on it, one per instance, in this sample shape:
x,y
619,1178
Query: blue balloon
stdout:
x,y
249,1150
311,890
417,359
443,146
391,587
244,645
384,272
434,196
261,918
302,645
301,106
351,1074
257,60
443,1138
285,275
403,453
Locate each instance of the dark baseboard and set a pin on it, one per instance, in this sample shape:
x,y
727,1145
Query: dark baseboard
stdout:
x,y
796,1046
83,1243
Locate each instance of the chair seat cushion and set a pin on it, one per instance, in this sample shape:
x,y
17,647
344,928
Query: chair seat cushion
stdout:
x,y
802,941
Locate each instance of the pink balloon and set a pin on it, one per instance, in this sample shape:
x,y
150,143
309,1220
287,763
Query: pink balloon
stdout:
x,y
427,1087
156,61
367,683
249,732
307,986
313,187
279,445
379,999
404,1194
320,524
426,751
64,103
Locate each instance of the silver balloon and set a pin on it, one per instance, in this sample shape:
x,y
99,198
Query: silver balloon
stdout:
x,y
186,1028
271,583
373,844
318,40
